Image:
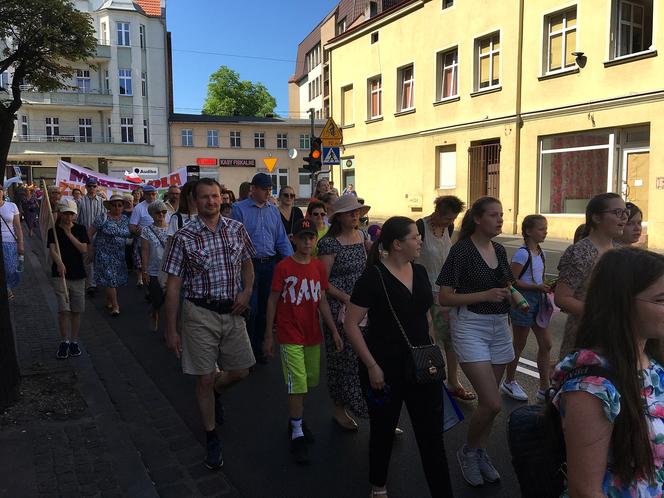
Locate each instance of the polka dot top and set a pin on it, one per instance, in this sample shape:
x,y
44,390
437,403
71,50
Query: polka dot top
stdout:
x,y
466,271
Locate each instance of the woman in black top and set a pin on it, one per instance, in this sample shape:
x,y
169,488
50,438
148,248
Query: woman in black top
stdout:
x,y
385,355
289,212
474,280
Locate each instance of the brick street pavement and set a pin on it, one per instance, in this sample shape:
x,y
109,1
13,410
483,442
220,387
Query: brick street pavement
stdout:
x,y
125,440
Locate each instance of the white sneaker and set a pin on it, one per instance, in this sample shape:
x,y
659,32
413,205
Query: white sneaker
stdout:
x,y
469,461
513,390
488,471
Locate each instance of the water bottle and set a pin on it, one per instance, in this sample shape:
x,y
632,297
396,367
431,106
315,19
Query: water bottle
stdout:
x,y
21,263
519,300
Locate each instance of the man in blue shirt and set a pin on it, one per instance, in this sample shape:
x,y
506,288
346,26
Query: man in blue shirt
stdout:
x,y
267,233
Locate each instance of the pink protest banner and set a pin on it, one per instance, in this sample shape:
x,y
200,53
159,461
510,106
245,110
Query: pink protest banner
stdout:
x,y
70,176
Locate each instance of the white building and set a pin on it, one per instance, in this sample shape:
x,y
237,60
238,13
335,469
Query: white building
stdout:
x,y
114,115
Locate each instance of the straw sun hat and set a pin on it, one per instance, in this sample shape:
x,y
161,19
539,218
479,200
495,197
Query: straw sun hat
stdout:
x,y
347,203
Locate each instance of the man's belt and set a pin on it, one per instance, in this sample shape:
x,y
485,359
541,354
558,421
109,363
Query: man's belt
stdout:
x,y
261,261
223,307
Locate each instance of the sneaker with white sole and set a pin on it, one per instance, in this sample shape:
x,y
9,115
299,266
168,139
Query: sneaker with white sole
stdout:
x,y
513,390
469,461
488,471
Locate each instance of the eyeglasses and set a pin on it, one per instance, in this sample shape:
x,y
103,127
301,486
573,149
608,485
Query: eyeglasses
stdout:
x,y
619,213
658,303
290,196
162,212
318,214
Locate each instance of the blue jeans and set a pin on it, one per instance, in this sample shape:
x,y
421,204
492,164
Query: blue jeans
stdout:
x,y
259,296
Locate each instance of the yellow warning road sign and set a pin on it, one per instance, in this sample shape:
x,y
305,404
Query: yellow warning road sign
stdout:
x,y
270,163
331,132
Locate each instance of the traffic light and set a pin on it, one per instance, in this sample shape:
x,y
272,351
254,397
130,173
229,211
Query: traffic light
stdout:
x,y
314,162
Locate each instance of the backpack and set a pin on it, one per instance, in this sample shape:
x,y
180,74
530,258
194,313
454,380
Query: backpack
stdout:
x,y
537,444
420,228
529,261
178,216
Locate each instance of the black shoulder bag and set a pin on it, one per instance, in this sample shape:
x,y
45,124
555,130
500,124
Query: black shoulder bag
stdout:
x,y
428,365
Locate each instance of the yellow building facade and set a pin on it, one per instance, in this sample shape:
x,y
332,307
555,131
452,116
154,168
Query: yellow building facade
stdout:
x,y
541,104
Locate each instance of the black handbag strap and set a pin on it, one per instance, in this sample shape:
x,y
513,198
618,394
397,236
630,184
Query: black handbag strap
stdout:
x,y
394,313
8,228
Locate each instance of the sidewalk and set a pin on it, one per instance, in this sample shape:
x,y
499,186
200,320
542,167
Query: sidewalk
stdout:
x,y
95,425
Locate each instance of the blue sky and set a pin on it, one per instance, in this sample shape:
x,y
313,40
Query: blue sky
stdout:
x,y
258,28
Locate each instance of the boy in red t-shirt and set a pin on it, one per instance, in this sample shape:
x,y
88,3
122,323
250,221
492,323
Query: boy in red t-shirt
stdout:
x,y
298,295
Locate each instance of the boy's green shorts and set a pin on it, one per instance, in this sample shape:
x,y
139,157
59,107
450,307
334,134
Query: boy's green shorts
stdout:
x,y
301,366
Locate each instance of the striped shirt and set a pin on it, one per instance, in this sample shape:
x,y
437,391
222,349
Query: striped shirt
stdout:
x,y
89,209
209,262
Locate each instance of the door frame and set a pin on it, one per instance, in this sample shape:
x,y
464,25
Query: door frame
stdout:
x,y
626,150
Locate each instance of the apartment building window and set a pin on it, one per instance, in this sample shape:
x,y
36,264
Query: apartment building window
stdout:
x,y
282,140
83,80
305,141
488,62
406,78
127,130
213,138
52,128
347,106
447,167
103,34
447,74
373,8
375,98
125,81
109,129
85,129
259,140
314,88
25,131
235,139
312,58
146,132
447,3
144,84
341,26
561,40
107,84
4,80
632,26
141,35
187,138
279,180
123,34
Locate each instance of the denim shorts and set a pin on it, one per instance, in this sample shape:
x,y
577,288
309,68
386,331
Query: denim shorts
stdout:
x,y
478,337
521,319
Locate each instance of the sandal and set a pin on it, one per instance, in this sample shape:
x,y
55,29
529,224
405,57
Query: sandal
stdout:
x,y
462,394
378,492
347,423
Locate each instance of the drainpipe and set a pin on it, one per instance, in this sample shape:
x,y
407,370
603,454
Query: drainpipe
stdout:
x,y
519,121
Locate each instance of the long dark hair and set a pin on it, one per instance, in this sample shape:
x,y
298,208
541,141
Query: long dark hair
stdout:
x,y
596,205
607,326
187,189
395,228
475,211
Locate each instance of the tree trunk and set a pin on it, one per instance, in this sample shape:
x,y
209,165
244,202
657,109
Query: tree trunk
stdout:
x,y
9,372
6,132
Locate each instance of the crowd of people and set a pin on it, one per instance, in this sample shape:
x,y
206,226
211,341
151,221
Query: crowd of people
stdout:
x,y
243,280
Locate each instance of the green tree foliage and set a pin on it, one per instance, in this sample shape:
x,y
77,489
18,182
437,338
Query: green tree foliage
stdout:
x,y
228,96
39,42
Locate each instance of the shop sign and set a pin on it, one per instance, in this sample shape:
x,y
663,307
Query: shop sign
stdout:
x,y
238,163
206,161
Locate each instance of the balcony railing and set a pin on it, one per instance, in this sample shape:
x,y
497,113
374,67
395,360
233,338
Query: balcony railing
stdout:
x,y
90,97
73,89
64,138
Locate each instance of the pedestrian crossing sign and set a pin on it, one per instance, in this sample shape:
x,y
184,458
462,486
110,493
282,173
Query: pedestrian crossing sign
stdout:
x,y
331,156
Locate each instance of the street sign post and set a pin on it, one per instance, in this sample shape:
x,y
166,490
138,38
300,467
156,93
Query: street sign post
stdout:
x,y
331,156
332,135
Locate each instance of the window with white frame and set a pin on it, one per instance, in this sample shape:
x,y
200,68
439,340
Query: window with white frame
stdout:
x,y
447,3
447,63
282,140
488,62
123,34
109,131
103,33
575,167
83,80
347,106
125,81
144,84
632,26
187,138
312,58
305,141
85,129
447,167
213,138
141,35
25,130
259,140
4,80
406,79
146,132
235,139
375,97
279,180
127,130
560,40
341,27
107,84
52,127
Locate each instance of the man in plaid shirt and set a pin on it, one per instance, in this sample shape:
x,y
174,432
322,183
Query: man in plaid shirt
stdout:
x,y
210,260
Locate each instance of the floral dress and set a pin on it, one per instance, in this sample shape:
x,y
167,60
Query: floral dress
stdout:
x,y
605,391
343,379
110,265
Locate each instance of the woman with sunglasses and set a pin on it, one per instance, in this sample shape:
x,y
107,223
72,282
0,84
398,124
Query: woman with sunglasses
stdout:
x,y
108,250
152,253
316,214
606,216
632,232
290,213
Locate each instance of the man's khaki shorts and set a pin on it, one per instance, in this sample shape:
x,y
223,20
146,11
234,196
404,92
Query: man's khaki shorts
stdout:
x,y
76,290
208,337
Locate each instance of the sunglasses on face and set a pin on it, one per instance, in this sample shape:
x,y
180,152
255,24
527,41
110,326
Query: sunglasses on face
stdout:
x,y
289,196
162,212
318,214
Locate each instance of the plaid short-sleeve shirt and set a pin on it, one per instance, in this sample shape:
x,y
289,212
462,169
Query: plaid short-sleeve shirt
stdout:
x,y
209,262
